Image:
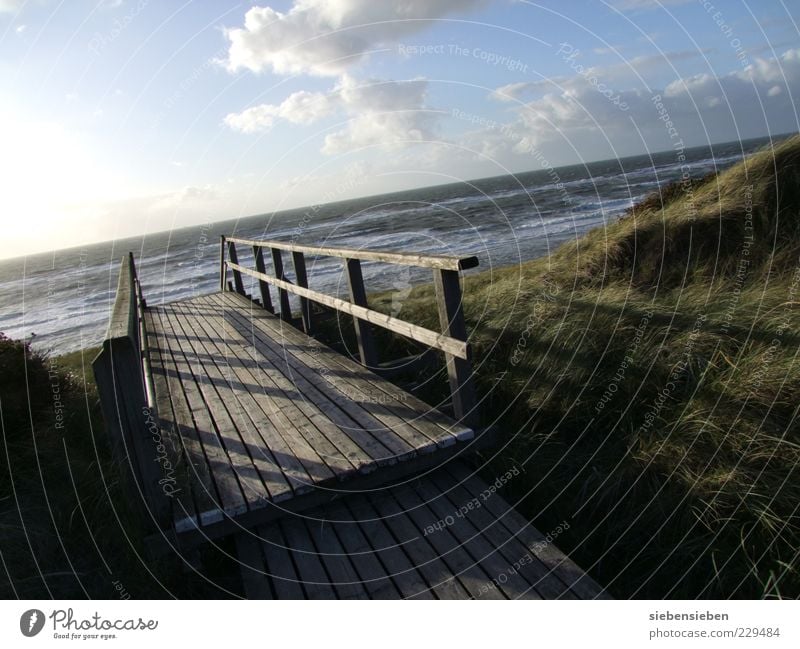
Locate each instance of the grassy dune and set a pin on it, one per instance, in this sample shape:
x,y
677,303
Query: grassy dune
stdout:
x,y
68,528
646,377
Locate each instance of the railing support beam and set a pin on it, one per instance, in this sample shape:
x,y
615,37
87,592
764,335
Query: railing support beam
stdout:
x,y
266,300
459,370
283,294
299,261
237,276
358,296
223,270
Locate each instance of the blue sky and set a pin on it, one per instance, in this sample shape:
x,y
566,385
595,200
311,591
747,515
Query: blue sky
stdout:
x,y
133,116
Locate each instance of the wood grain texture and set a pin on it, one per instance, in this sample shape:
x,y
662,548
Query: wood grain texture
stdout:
x,y
416,540
265,415
403,258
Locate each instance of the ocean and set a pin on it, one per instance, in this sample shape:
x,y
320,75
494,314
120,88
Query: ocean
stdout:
x,y
60,300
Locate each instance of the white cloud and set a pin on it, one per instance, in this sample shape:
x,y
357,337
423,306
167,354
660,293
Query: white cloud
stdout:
x,y
190,197
10,6
325,37
719,106
635,68
385,113
642,5
298,108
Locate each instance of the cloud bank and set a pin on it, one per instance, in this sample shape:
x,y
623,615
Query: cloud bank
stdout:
x,y
382,113
325,37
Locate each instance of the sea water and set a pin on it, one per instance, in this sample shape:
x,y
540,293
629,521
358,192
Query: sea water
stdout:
x,y
61,300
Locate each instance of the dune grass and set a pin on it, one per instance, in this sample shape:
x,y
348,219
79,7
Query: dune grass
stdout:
x,y
646,378
68,526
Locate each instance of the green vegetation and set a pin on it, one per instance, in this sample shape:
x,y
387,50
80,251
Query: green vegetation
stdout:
x,y
67,525
645,376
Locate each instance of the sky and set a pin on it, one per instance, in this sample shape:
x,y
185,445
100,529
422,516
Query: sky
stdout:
x,y
125,117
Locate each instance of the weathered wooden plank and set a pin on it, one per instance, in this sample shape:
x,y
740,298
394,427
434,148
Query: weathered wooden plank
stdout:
x,y
541,581
263,287
311,572
300,463
338,565
330,447
459,368
358,296
255,580
233,263
402,258
193,481
280,281
123,318
448,547
286,433
378,390
218,397
408,416
353,422
470,541
223,269
230,494
307,430
350,384
381,545
405,577
425,336
237,405
372,574
443,581
204,491
119,366
299,262
581,584
279,565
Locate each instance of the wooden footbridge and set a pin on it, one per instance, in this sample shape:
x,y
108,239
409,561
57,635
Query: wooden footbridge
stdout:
x,y
232,419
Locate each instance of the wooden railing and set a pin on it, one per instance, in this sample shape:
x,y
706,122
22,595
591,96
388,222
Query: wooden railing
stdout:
x,y
452,340
121,372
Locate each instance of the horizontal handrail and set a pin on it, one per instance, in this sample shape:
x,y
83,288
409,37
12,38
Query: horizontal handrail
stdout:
x,y
124,320
452,340
439,341
124,385
403,258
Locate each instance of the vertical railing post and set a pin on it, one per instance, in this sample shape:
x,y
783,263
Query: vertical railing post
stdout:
x,y
283,294
459,370
299,261
237,274
222,267
266,300
366,344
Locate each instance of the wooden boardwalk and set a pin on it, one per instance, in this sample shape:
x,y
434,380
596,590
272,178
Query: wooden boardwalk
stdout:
x,y
232,419
267,414
442,535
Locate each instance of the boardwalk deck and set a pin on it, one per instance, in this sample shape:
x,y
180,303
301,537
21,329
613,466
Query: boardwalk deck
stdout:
x,y
336,482
267,414
442,535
